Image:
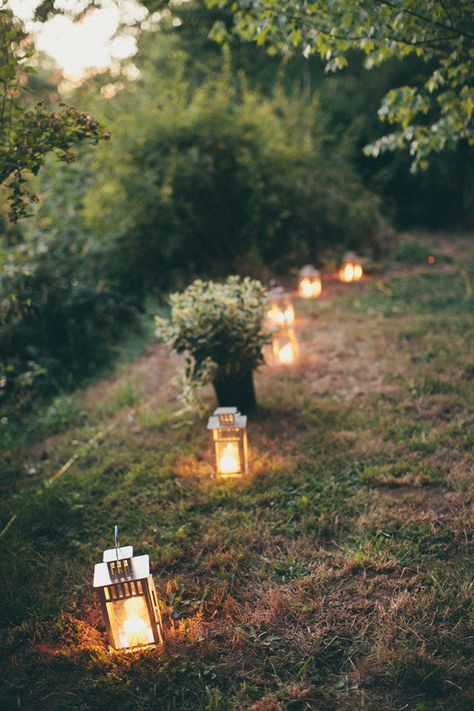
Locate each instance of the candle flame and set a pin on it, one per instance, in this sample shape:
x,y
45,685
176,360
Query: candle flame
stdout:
x,y
289,315
286,354
310,288
135,630
281,317
351,272
229,461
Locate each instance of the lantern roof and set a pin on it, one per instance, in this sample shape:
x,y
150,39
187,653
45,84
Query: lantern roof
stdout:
x,y
278,293
351,257
227,418
309,271
138,567
119,553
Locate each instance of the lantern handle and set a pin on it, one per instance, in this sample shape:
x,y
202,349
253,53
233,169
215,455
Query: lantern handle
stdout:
x,y
117,543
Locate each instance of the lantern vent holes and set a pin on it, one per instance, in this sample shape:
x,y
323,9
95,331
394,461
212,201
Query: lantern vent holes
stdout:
x,y
120,568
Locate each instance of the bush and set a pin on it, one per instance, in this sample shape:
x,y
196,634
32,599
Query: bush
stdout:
x,y
61,311
218,327
225,180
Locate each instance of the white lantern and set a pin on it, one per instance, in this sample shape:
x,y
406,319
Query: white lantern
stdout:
x,y
128,599
280,308
351,268
309,282
285,348
229,437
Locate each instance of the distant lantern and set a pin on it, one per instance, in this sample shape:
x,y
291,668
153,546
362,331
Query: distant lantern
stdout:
x,y
229,436
351,268
309,282
285,349
280,308
128,599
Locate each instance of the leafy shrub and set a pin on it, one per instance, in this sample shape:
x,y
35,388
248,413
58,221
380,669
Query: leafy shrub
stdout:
x,y
222,179
61,311
61,413
218,327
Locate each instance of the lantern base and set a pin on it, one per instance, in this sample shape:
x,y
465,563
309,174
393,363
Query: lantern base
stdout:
x,y
238,392
137,648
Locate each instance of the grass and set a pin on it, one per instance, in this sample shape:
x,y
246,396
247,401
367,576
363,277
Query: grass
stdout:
x,y
338,575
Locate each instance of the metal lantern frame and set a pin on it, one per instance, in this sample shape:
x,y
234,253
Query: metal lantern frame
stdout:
x,y
229,431
311,276
281,311
355,263
123,577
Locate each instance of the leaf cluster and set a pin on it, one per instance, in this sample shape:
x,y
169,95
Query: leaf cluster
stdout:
x,y
218,326
30,133
430,115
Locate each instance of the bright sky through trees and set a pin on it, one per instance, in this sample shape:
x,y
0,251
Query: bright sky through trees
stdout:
x,y
90,43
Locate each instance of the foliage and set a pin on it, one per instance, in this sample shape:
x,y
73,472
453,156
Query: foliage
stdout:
x,y
221,179
61,310
218,327
431,116
29,133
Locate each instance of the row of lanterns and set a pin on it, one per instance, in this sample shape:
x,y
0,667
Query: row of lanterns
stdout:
x,y
281,314
309,278
123,582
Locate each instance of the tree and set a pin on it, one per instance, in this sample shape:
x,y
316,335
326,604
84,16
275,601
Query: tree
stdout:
x,y
431,115
28,131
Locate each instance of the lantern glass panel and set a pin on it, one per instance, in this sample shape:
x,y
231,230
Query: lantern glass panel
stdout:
x,y
309,282
285,350
281,312
351,268
130,623
128,599
228,457
229,436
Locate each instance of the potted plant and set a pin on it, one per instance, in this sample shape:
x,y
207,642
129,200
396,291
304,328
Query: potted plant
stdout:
x,y
219,328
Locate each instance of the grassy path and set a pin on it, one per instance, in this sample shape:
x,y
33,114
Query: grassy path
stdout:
x,y
338,575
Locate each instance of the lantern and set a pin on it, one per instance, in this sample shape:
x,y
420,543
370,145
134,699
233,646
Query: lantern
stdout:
x,y
128,599
280,308
351,268
309,282
285,349
229,436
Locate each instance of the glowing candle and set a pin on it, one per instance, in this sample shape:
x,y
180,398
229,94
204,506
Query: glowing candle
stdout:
x,y
276,316
286,354
306,288
284,350
135,630
280,312
229,461
348,272
351,268
289,316
128,599
309,282
229,437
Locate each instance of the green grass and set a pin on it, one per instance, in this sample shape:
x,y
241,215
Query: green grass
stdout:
x,y
337,575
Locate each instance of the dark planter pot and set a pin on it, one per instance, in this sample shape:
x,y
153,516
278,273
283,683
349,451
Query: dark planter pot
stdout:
x,y
238,392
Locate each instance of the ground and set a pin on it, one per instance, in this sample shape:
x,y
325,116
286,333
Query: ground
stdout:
x,y
337,575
